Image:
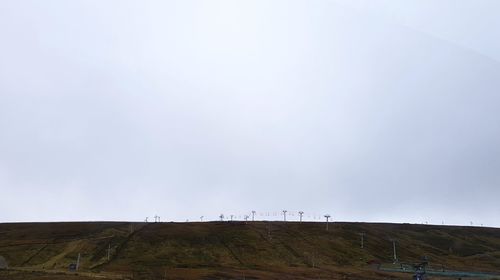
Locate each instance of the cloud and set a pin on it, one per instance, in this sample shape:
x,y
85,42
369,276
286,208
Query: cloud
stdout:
x,y
190,108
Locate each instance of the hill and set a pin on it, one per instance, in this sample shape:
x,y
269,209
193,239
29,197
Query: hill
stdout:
x,y
239,250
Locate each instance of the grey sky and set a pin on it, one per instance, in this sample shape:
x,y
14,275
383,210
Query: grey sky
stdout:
x,y
367,110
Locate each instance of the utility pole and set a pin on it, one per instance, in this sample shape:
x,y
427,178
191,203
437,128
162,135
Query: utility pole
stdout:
x,y
394,250
300,214
269,231
109,250
284,215
327,219
221,216
253,215
362,240
78,262
313,260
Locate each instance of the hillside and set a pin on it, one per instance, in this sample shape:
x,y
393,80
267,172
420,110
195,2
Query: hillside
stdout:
x,y
238,250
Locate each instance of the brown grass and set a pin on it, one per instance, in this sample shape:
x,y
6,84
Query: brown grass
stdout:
x,y
237,250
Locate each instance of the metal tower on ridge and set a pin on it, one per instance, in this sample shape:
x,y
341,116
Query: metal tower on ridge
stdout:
x,y
327,216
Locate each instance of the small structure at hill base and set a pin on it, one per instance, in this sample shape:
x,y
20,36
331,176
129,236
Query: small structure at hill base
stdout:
x,y
72,267
3,263
420,271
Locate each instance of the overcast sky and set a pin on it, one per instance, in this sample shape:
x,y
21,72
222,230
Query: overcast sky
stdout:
x,y
366,110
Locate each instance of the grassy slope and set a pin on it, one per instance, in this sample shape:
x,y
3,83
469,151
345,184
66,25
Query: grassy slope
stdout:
x,y
260,249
